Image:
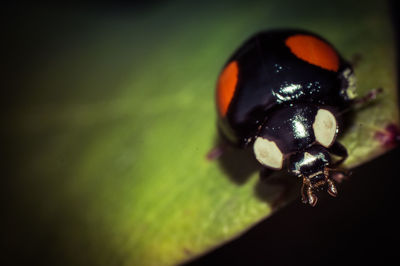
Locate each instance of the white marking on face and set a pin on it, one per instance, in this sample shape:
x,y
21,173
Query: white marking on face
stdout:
x,y
325,127
268,153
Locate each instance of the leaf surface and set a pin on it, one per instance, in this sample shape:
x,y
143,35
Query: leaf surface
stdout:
x,y
117,113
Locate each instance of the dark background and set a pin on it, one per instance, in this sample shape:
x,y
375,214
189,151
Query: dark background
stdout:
x,y
359,227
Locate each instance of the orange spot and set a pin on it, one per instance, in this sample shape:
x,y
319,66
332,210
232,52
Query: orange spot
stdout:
x,y
314,51
226,86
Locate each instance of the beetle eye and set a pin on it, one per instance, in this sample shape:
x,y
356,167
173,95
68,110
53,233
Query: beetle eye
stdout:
x,y
325,127
268,153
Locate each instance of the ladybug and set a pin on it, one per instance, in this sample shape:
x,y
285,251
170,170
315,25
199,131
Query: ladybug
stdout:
x,y
283,92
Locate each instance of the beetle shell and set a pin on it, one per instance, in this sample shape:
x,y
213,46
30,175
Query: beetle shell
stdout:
x,y
277,68
292,128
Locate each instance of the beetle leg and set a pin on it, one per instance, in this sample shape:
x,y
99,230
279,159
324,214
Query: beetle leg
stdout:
x,y
331,188
216,152
312,199
337,174
286,184
307,194
339,150
303,195
333,172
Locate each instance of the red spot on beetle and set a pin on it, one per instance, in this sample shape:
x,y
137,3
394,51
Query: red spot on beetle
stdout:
x,y
389,137
314,51
226,86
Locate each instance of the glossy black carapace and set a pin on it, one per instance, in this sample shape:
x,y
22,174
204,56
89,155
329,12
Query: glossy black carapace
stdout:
x,y
281,92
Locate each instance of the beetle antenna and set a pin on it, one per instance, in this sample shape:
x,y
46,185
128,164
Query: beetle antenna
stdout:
x,y
358,102
338,175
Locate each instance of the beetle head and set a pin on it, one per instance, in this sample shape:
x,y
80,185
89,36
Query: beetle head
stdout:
x,y
312,165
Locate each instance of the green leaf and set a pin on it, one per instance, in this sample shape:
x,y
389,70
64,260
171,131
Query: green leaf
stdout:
x,y
116,114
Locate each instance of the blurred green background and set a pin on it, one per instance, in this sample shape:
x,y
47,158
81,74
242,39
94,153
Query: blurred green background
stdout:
x,y
108,113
